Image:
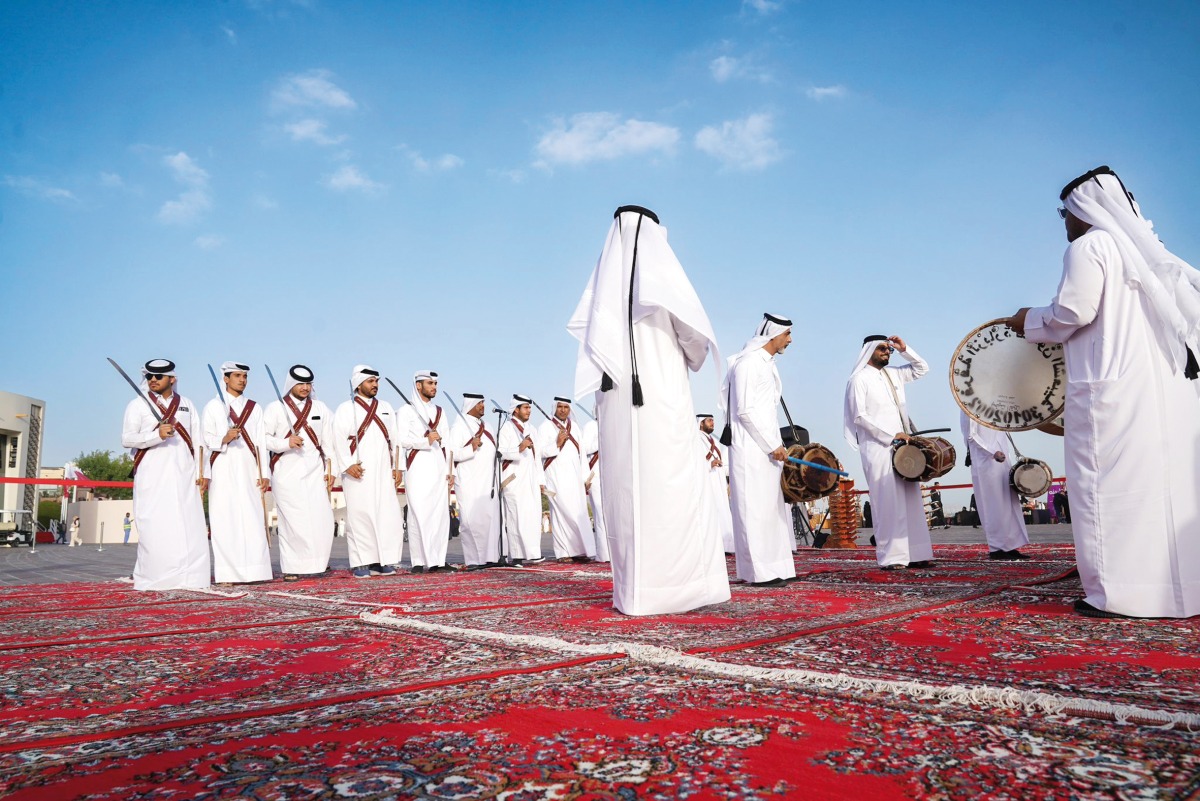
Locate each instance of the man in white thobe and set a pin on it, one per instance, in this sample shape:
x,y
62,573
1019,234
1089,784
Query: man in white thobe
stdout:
x,y
474,445
364,430
236,440
998,504
717,475
762,522
424,429
522,482
1128,315
595,491
299,434
563,463
875,414
641,329
172,548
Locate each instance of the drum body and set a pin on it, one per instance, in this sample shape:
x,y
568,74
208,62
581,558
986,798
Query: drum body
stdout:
x,y
1005,382
801,483
923,458
1030,477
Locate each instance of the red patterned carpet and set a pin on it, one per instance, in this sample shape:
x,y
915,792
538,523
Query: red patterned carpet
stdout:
x,y
972,679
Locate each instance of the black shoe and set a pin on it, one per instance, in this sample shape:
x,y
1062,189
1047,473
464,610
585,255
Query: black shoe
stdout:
x,y
1087,610
582,560
872,539
819,539
1017,556
893,567
999,556
777,582
417,569
924,563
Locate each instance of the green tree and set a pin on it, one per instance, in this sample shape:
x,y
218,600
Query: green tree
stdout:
x,y
103,466
47,511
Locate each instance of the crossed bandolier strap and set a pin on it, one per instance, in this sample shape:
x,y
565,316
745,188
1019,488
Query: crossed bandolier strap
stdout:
x,y
549,461
506,462
301,424
168,416
362,429
713,451
412,454
239,423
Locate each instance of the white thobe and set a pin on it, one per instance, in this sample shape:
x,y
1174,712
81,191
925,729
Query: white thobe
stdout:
x,y
298,485
172,549
666,551
1132,440
478,506
595,491
522,495
241,550
425,483
374,528
762,523
565,468
897,508
998,503
713,457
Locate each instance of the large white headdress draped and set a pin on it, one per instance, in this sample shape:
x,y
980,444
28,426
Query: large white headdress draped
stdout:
x,y
1170,284
618,295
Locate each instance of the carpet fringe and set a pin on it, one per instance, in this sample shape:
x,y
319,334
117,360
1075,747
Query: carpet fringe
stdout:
x,y
211,591
964,695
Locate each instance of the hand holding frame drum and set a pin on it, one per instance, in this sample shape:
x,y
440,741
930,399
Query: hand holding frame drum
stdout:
x,y
1005,382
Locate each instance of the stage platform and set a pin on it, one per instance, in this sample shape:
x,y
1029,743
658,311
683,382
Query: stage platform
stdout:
x,y
971,679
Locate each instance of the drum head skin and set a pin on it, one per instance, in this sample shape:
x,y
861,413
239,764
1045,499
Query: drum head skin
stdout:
x,y
1030,477
909,462
1006,382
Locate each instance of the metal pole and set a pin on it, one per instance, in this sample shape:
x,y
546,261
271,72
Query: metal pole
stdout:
x,y
101,548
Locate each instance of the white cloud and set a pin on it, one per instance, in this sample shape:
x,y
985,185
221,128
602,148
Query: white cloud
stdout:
x,y
516,176
193,201
744,144
209,241
311,89
112,180
446,161
230,34
311,130
28,185
726,68
763,7
265,203
601,135
350,177
825,92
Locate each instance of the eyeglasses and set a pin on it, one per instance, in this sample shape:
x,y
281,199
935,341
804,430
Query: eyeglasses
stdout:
x,y
156,376
1062,213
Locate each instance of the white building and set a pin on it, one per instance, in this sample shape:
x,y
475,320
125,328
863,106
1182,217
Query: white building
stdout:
x,y
22,421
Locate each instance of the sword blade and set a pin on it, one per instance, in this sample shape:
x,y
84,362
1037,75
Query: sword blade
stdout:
x,y
137,389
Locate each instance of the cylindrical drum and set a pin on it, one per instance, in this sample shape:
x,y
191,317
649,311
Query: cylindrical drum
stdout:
x,y
801,483
923,458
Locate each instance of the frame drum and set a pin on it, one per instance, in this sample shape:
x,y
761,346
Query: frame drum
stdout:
x,y
801,483
923,458
1030,477
1005,382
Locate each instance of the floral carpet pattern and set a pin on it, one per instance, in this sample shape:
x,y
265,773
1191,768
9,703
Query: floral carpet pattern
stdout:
x,y
972,679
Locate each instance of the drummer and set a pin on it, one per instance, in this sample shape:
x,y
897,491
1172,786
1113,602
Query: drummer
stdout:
x,y
876,416
991,453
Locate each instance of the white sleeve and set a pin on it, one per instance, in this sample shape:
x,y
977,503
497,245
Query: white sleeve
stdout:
x,y
410,430
1078,300
861,394
139,429
275,427
216,425
915,368
753,387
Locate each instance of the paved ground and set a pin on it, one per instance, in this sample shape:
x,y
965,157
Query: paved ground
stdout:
x,y
53,564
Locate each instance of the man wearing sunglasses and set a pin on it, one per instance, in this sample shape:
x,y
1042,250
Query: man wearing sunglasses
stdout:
x,y
167,481
1128,315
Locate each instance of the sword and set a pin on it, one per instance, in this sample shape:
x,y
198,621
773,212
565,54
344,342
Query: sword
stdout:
x,y
220,392
354,423
589,414
403,397
262,494
137,389
279,395
548,417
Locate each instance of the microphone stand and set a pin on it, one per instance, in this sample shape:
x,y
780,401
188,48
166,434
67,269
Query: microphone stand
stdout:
x,y
496,482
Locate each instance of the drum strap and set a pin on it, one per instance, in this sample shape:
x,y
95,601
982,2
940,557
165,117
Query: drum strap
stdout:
x,y
904,418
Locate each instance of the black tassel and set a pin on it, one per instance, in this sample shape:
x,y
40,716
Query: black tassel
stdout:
x,y
606,383
637,391
1192,370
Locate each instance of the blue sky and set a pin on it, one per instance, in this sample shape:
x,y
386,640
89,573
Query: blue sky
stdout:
x,y
429,185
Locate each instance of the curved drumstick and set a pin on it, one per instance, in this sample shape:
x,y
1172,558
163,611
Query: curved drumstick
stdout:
x,y
794,460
